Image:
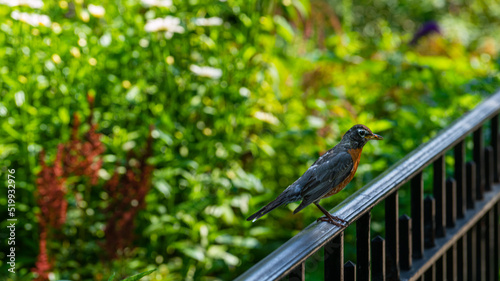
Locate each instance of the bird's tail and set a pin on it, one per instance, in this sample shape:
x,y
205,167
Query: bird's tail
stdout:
x,y
282,199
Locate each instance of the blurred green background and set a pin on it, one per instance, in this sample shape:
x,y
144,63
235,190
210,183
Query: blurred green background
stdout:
x,y
237,98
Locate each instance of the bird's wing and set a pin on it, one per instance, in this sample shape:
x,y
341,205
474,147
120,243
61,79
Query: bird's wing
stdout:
x,y
325,175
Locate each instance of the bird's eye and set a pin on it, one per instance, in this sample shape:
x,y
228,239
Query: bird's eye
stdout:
x,y
362,133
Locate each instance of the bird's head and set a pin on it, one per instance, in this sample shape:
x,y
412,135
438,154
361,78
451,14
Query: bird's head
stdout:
x,y
359,135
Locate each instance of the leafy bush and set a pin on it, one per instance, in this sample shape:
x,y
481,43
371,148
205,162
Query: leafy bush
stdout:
x,y
242,95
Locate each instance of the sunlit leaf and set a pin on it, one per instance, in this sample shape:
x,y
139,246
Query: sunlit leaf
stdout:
x,y
139,276
283,28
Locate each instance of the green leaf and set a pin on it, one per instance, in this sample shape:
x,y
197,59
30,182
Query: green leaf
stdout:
x,y
163,186
64,115
139,276
304,7
112,277
13,133
284,29
195,252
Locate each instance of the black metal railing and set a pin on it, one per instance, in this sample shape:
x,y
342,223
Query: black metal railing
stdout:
x,y
452,234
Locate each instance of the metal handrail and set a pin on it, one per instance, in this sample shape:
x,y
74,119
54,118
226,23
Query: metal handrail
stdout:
x,y
295,251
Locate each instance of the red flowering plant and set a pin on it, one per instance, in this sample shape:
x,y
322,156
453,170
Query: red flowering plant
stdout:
x,y
78,157
72,177
50,198
82,157
127,192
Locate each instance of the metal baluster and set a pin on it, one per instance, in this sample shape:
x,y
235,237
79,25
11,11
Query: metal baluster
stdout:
x,y
429,221
363,247
430,274
488,168
496,150
298,273
349,271
451,202
451,263
480,248
439,195
496,238
470,184
471,254
334,258
441,268
490,246
460,178
392,236
478,157
378,259
417,214
462,258
405,247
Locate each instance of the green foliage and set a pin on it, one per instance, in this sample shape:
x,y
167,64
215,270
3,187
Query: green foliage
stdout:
x,y
293,81
139,276
134,277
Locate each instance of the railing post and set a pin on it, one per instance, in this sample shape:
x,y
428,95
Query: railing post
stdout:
x,y
490,246
392,236
429,221
451,263
451,202
478,156
334,258
378,259
480,248
298,273
471,254
441,268
470,184
488,167
439,195
417,215
349,271
496,150
405,249
496,238
430,274
363,247
460,178
462,258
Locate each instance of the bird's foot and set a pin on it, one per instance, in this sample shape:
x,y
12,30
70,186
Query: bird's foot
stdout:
x,y
332,220
339,219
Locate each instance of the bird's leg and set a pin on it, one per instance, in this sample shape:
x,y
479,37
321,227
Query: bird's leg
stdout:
x,y
329,218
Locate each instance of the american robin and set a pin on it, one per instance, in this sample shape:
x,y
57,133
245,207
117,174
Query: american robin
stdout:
x,y
327,176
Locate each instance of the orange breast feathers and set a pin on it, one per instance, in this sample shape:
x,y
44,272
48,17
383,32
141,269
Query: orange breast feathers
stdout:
x,y
356,155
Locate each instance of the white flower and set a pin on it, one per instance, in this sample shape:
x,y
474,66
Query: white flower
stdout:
x,y
19,97
266,117
244,92
157,3
96,11
206,71
35,4
85,16
31,19
168,24
106,39
213,21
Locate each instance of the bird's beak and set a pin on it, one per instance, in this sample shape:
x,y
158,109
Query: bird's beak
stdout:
x,y
374,137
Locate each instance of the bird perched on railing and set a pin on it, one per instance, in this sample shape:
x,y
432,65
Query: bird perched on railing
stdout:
x,y
327,176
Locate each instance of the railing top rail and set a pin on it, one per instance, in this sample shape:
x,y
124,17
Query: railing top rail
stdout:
x,y
307,242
